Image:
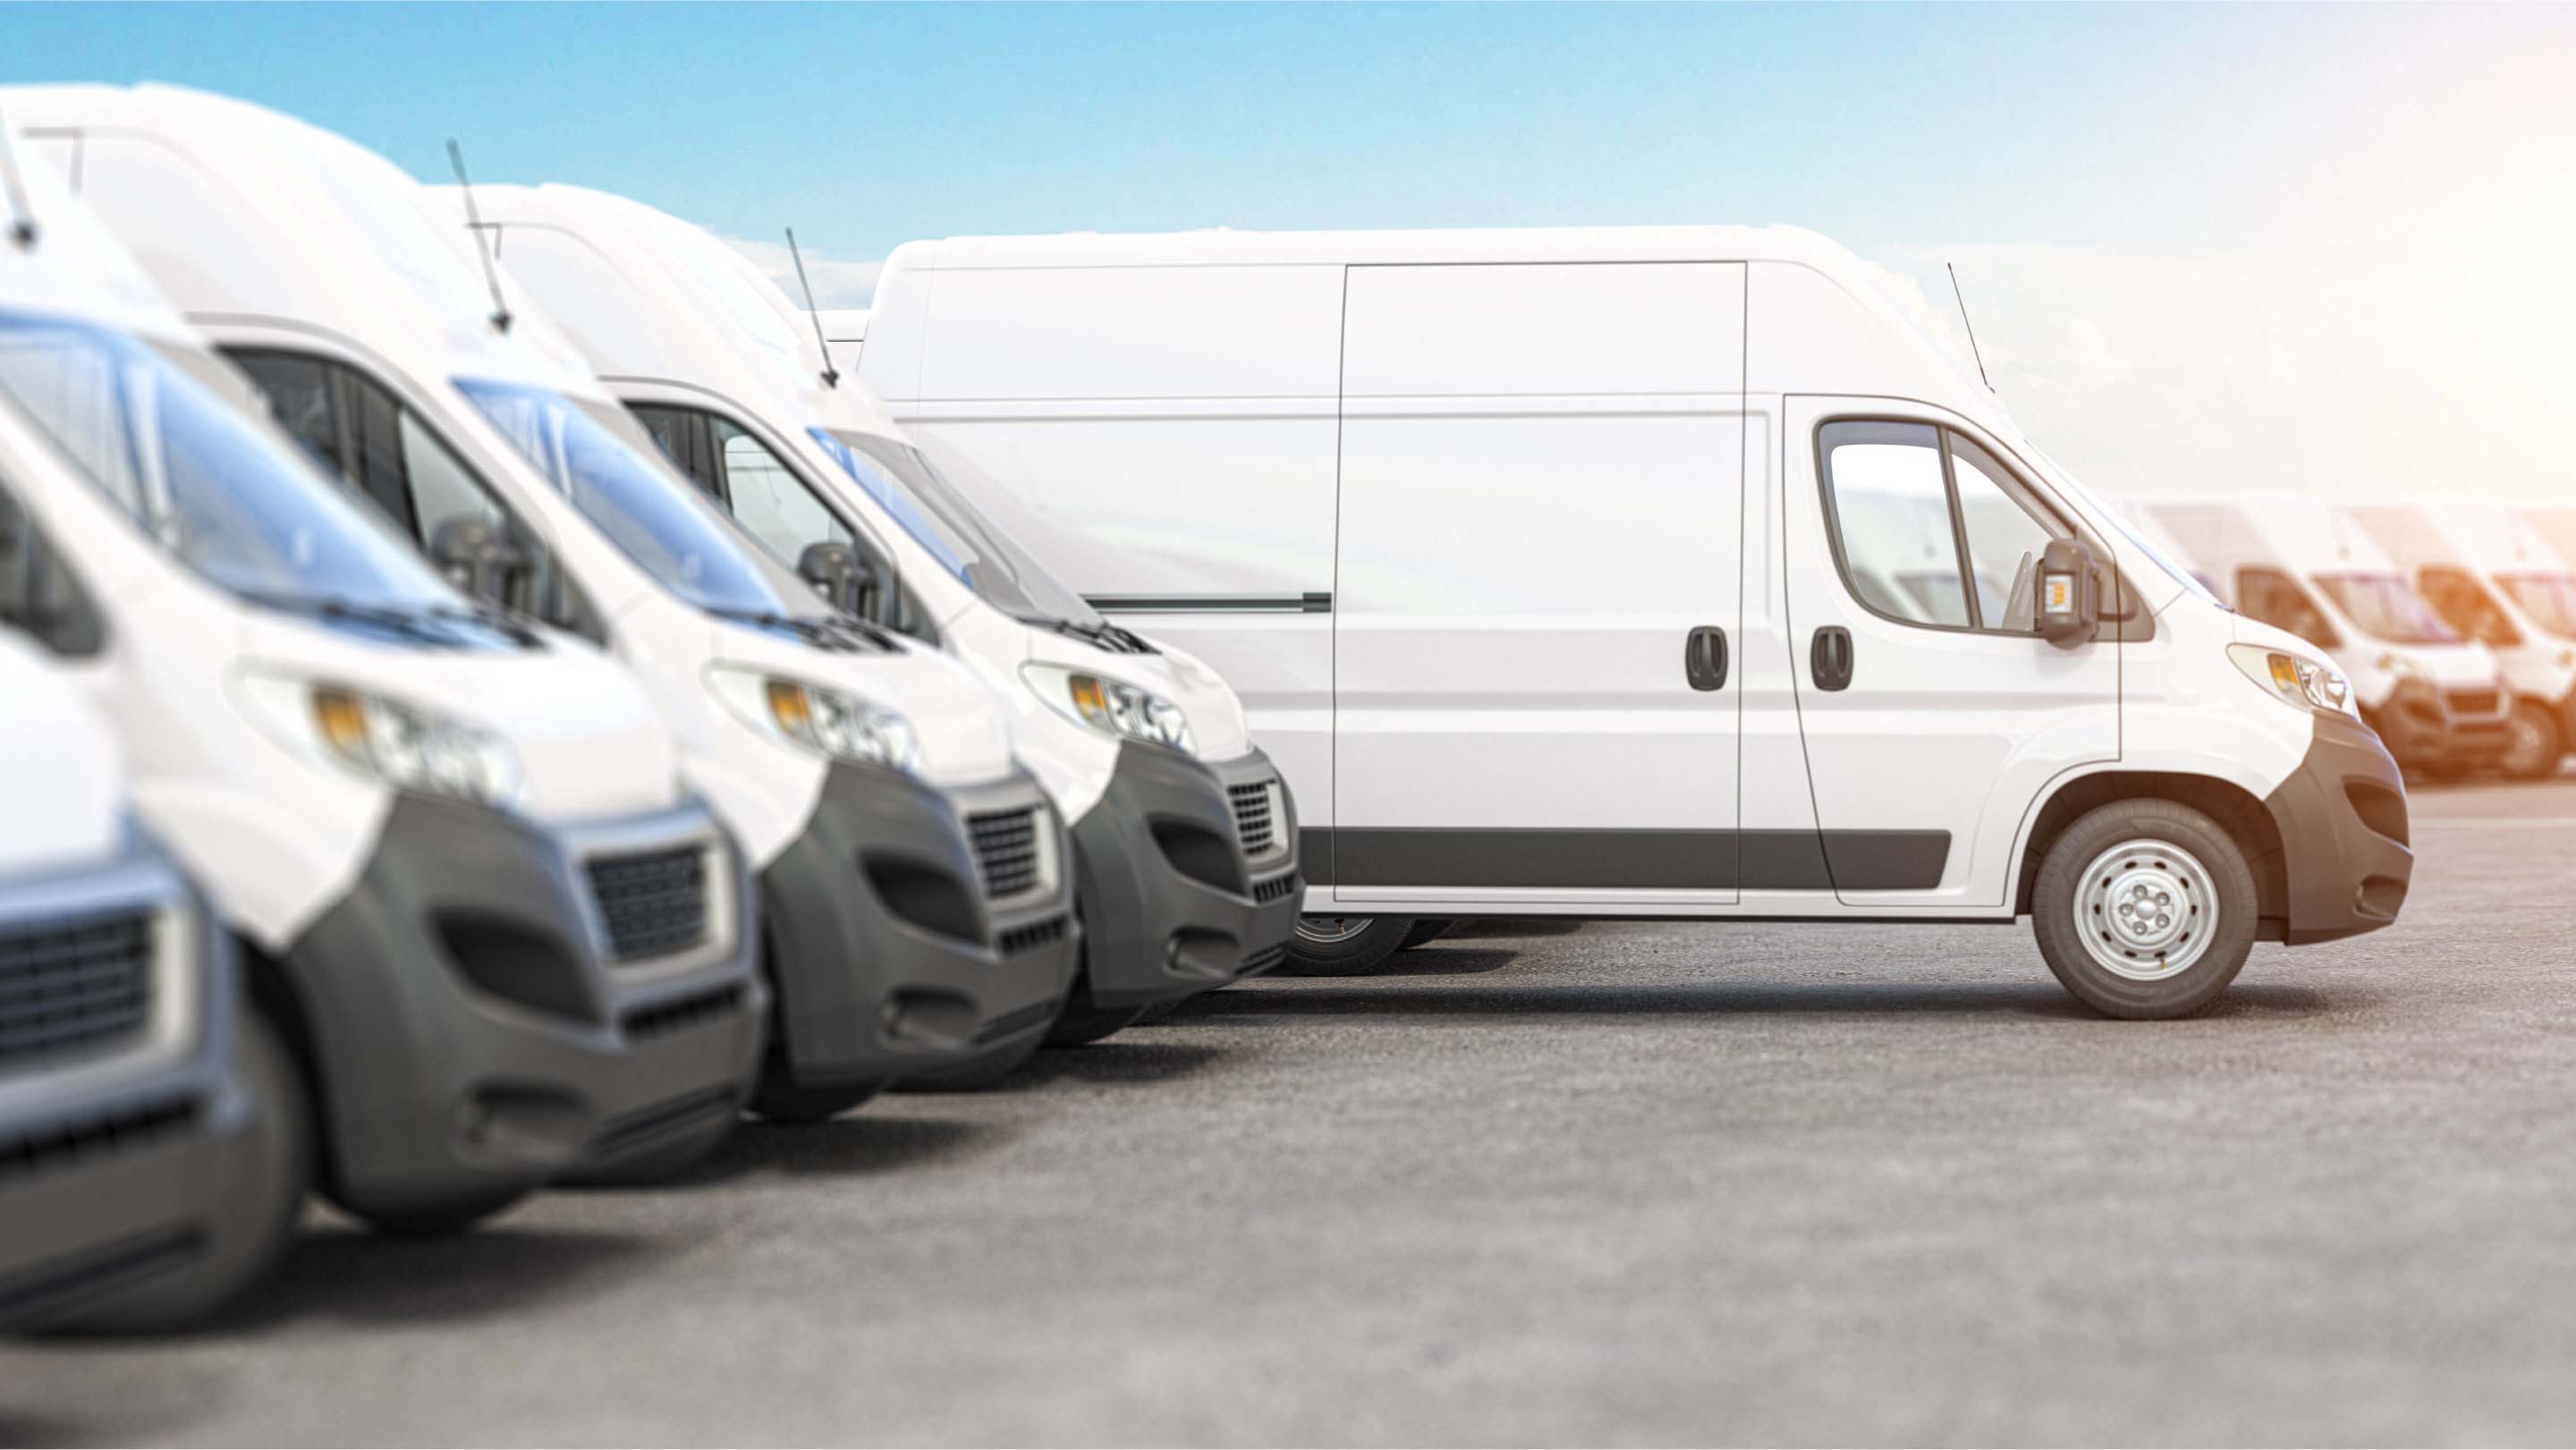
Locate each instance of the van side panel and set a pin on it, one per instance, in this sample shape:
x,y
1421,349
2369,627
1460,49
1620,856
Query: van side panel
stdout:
x,y
1541,498
1176,475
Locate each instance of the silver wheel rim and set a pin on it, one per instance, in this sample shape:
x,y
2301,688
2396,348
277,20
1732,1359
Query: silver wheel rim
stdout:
x,y
2146,910
1331,930
2524,745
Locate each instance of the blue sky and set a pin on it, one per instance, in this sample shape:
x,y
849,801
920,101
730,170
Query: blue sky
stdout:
x,y
2197,187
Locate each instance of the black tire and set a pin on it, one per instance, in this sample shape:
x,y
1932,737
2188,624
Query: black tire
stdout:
x,y
2128,854
658,1164
2535,744
1426,929
780,1098
975,1074
444,1221
254,1217
1344,946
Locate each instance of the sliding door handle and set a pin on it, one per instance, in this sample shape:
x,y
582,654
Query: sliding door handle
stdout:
x,y
1829,658
1704,657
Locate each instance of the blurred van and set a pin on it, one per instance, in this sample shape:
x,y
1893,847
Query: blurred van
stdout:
x,y
1651,572
2306,565
425,822
911,878
2491,577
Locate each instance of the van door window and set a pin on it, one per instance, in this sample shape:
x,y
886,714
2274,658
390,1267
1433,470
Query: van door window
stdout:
x,y
2276,599
2465,605
1890,512
2006,536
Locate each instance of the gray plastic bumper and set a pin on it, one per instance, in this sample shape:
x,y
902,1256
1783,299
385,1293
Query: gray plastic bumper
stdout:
x,y
2346,863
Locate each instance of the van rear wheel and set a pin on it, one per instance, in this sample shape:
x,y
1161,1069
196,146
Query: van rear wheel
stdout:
x,y
2144,909
1331,946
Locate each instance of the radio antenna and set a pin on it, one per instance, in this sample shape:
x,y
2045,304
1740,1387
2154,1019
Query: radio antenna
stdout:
x,y
22,213
474,225
1972,328
831,376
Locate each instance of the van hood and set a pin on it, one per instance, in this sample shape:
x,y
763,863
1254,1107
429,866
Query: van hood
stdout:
x,y
964,735
589,742
2453,666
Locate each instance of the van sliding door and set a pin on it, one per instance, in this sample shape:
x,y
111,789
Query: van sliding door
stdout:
x,y
1538,564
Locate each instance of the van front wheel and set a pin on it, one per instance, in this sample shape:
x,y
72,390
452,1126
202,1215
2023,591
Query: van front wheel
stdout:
x,y
1333,946
2533,744
2144,909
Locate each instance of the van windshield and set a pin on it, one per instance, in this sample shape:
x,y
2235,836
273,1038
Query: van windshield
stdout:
x,y
2550,600
2382,606
937,515
233,501
650,514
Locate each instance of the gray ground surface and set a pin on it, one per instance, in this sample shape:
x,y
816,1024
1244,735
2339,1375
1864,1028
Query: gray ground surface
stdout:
x,y
1629,1184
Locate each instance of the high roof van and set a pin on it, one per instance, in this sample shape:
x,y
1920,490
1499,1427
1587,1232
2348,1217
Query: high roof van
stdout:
x,y
916,913
2306,565
140,1115
1647,572
429,826
2493,579
1184,838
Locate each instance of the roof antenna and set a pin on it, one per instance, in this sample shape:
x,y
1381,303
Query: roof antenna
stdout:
x,y
22,215
1972,328
474,224
831,378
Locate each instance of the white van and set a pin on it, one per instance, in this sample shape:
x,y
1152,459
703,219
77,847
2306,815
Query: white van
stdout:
x,y
1185,841
2491,577
145,1179
426,823
1621,572
2306,565
916,914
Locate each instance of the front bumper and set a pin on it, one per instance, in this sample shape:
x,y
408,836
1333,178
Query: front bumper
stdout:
x,y
1172,900
2423,727
889,954
2346,862
114,1158
476,1028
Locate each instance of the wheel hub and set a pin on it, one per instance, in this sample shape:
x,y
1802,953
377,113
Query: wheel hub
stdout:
x,y
1328,930
2146,909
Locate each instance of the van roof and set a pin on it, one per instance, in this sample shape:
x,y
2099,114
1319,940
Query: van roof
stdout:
x,y
75,266
2303,532
277,220
1227,246
2478,533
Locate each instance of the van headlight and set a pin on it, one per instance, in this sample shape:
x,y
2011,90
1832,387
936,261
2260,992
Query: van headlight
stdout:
x,y
392,742
2297,679
1112,707
828,722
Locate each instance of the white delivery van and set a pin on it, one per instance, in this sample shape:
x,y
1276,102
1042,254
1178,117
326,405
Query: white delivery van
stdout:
x,y
1647,572
2305,565
2493,579
423,821
147,1169
1185,841
909,871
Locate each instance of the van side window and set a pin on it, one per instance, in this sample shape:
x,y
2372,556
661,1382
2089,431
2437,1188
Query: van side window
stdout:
x,y
2465,605
38,595
385,452
1930,529
766,497
2274,598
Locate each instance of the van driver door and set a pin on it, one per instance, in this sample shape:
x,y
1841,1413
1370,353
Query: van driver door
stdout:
x,y
1536,667
1933,713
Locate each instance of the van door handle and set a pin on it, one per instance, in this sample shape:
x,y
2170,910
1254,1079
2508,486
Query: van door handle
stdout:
x,y
1704,657
1829,658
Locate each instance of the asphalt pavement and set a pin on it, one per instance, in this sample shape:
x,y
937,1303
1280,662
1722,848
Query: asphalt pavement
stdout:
x,y
1627,1184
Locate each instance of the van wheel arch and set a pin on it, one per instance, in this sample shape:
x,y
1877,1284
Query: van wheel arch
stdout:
x,y
273,996
2244,818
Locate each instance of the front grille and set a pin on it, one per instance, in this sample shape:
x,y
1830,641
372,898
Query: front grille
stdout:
x,y
1255,816
2475,702
1033,936
681,1013
1006,847
1278,886
65,986
653,903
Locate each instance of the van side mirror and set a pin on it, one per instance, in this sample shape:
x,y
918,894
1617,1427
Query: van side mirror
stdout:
x,y
2068,594
846,581
478,556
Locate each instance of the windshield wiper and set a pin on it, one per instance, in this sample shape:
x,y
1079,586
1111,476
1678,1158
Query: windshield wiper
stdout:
x,y
822,631
1104,634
